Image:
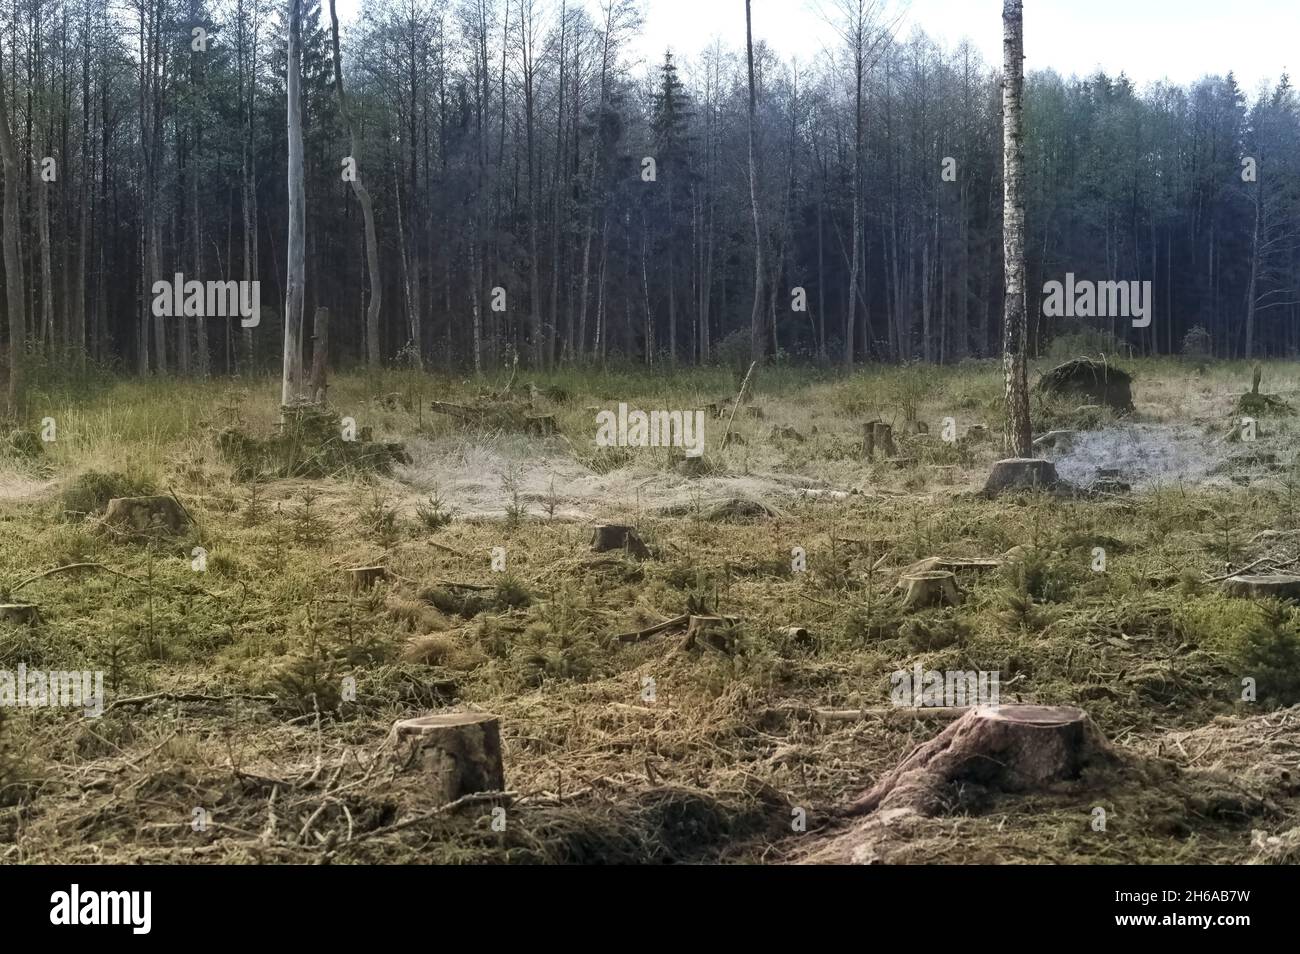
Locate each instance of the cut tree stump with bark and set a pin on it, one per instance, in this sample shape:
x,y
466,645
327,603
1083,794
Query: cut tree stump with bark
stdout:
x,y
1281,586
877,436
1021,473
459,752
21,614
929,588
146,516
614,536
363,578
1016,748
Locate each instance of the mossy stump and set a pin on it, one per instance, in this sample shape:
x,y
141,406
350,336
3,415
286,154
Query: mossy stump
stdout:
x,y
158,515
20,614
1021,473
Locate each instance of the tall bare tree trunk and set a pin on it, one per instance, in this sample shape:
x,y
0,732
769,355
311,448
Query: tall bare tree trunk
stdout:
x,y
1018,435
14,285
757,335
367,207
296,258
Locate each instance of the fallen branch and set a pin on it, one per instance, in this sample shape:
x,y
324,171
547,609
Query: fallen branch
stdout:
x,y
184,697
677,622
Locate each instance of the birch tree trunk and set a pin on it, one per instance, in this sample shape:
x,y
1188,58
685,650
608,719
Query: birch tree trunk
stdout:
x,y
1018,435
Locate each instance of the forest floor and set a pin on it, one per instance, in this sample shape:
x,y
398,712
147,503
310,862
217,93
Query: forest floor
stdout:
x,y
231,731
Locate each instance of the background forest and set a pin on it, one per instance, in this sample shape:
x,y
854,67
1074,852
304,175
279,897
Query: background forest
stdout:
x,y
503,144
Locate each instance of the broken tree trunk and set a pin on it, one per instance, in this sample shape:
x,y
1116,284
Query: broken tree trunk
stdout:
x,y
929,588
1021,473
145,516
459,752
877,435
613,536
1018,748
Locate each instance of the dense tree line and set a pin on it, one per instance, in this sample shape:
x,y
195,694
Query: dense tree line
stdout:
x,y
504,147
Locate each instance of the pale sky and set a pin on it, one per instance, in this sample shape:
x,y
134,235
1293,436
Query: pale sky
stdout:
x,y
1148,39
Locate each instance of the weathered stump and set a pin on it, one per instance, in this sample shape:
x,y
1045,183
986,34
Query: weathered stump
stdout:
x,y
362,578
1021,473
146,516
613,536
20,614
877,436
1280,586
1017,748
459,752
929,588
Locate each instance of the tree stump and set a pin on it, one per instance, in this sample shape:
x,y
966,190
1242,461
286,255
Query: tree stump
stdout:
x,y
1021,473
876,435
20,614
459,752
542,425
929,588
1281,586
613,536
146,516
978,434
363,578
1017,748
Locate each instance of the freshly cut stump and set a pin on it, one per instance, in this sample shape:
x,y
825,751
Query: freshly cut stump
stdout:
x,y
145,516
1021,473
459,752
1017,748
613,536
22,614
877,436
1281,586
929,588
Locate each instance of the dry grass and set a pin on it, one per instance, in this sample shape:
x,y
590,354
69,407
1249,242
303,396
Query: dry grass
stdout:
x,y
258,732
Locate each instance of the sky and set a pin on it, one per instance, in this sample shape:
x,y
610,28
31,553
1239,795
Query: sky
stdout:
x,y
1149,40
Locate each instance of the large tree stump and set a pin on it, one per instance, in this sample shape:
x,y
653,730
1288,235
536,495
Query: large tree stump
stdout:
x,y
21,614
1021,473
1281,586
877,436
614,536
1018,748
459,752
929,588
146,516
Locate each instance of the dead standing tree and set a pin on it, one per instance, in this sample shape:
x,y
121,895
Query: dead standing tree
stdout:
x,y
367,204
